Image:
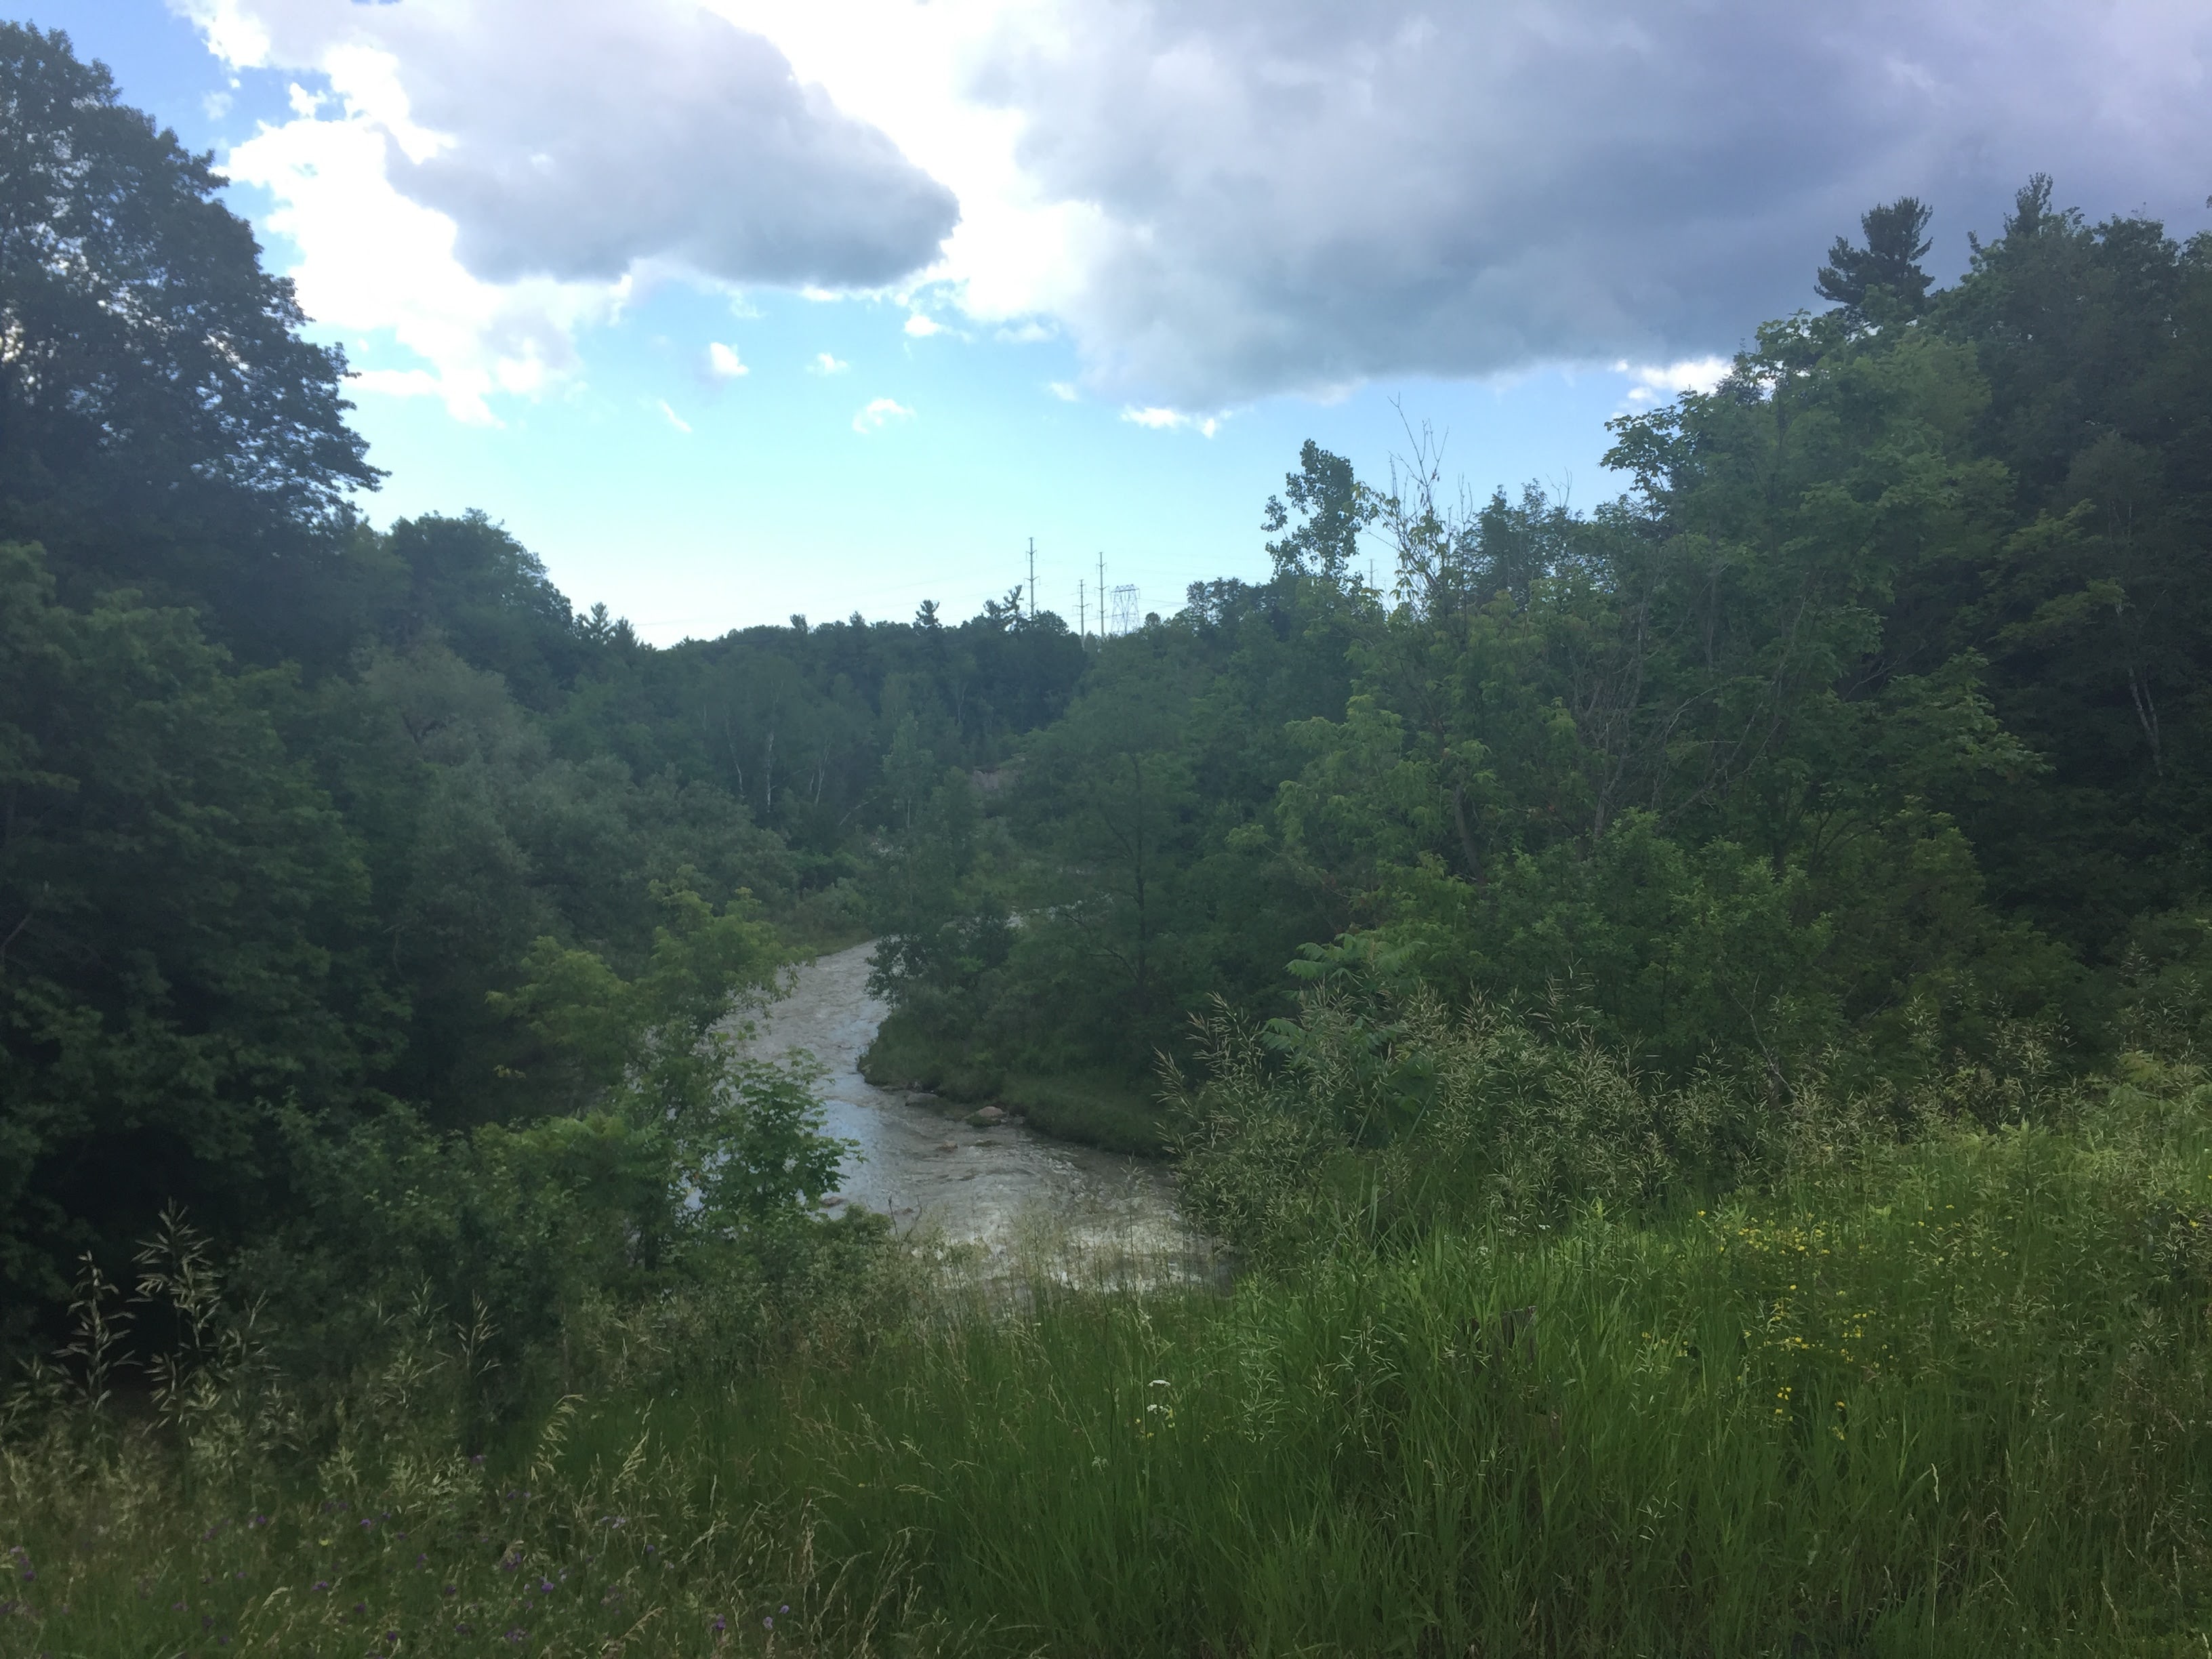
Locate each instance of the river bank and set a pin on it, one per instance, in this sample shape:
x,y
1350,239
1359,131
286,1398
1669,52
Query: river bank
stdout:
x,y
1004,1188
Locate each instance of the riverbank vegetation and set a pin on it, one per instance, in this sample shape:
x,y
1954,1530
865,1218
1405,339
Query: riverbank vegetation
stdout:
x,y
1691,1015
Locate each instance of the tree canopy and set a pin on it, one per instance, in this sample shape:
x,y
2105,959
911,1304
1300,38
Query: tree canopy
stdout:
x,y
1865,731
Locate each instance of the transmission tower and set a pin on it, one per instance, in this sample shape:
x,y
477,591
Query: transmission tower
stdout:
x,y
1125,608
1032,579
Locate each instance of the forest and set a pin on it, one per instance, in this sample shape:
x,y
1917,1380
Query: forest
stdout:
x,y
1688,1017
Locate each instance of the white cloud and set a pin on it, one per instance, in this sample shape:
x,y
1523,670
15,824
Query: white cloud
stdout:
x,y
824,364
1211,202
722,362
674,419
483,177
1062,390
373,262
879,413
922,327
1173,420
1653,381
1222,200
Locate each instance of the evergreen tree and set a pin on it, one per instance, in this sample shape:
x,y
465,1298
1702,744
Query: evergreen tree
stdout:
x,y
1896,242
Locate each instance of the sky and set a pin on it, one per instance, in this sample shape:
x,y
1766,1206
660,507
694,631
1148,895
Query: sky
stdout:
x,y
746,308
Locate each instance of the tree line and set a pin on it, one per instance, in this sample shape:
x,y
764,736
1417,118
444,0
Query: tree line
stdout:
x,y
1868,725
302,821
1865,731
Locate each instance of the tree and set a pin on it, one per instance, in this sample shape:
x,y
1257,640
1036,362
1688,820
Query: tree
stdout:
x,y
184,932
1896,242
162,424
1334,507
489,596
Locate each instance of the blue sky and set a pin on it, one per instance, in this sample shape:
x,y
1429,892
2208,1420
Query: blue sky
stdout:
x,y
1183,247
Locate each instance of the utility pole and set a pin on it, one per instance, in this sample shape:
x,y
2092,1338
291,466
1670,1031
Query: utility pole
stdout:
x,y
1102,593
1032,579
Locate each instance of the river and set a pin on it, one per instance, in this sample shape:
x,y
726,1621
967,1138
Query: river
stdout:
x,y
1005,1190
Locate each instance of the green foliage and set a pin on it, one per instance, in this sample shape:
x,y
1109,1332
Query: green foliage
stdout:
x,y
1945,1398
184,920
682,1161
1889,264
1798,834
162,424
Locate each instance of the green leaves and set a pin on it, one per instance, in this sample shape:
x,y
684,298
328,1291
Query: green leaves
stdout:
x,y
634,1039
183,916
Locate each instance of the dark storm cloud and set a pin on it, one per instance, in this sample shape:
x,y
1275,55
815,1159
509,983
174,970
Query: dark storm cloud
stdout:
x,y
1298,195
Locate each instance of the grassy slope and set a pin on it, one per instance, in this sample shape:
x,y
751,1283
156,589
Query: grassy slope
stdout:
x,y
1958,1403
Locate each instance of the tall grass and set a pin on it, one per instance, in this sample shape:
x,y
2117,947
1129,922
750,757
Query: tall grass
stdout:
x,y
1950,1399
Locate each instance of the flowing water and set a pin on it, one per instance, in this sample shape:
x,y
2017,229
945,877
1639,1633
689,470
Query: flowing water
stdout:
x,y
1005,1188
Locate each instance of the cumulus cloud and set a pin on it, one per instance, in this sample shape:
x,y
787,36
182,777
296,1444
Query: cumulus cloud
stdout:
x,y
920,327
1063,390
722,362
825,363
1158,419
1305,193
1212,202
1649,383
369,259
500,171
572,140
879,413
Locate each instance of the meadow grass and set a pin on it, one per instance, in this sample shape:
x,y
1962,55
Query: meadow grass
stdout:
x,y
1952,1399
